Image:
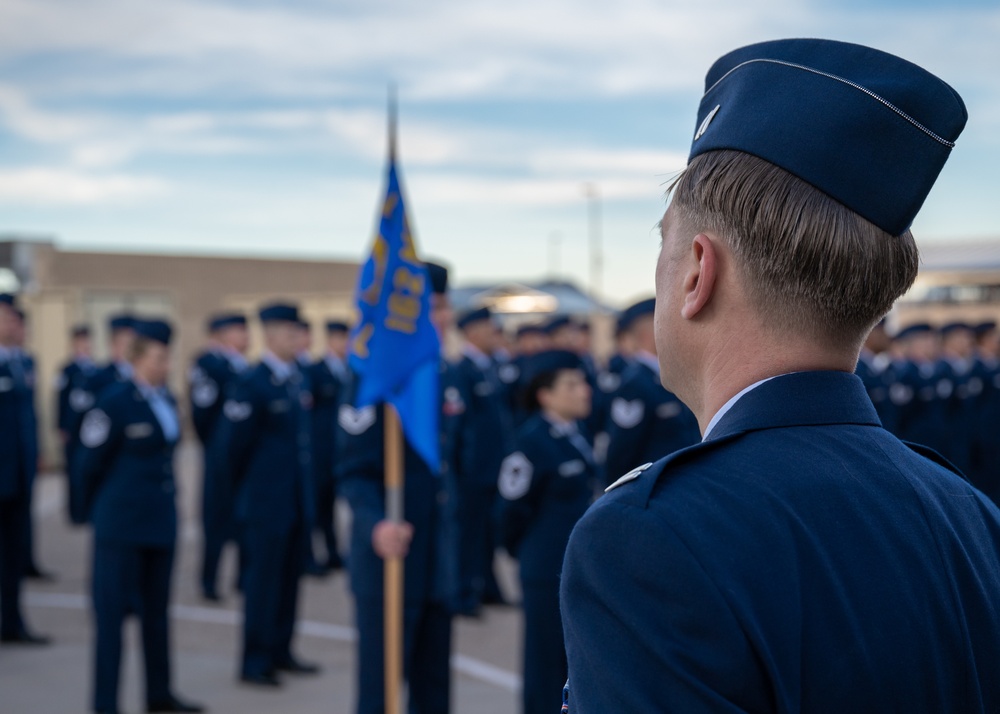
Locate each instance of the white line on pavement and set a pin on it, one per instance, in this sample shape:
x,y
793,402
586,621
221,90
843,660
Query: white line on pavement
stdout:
x,y
469,666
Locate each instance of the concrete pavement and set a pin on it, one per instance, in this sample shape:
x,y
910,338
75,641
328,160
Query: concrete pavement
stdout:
x,y
56,680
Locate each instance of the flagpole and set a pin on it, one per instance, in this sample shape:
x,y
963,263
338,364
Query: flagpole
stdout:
x,y
394,485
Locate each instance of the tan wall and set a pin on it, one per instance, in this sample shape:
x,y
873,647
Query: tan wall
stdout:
x,y
68,288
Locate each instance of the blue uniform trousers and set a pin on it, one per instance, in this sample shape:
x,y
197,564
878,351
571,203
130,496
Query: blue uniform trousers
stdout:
x,y
12,515
426,652
126,575
545,668
217,523
272,565
477,504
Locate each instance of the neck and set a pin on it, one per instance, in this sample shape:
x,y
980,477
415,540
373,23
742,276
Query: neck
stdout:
x,y
555,417
738,362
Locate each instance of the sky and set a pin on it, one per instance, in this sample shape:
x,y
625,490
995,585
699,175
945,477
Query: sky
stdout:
x,y
257,127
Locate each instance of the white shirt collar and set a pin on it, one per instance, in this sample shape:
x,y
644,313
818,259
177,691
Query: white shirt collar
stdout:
x,y
281,370
481,359
647,359
730,404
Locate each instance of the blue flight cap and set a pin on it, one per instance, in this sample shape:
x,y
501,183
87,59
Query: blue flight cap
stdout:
x,y
279,312
533,329
155,330
337,326
8,299
438,275
474,316
983,327
955,327
633,312
226,319
558,323
918,328
550,361
869,129
121,321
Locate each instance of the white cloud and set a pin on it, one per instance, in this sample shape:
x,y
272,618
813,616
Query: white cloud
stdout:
x,y
55,186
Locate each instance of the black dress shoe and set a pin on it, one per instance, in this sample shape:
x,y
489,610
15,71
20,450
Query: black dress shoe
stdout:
x,y
267,679
175,705
315,570
34,573
25,638
211,596
296,666
335,563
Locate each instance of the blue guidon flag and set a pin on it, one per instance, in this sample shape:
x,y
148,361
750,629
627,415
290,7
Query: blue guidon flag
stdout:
x,y
395,349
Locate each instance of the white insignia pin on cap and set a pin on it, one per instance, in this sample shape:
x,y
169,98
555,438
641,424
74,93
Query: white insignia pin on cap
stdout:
x,y
706,122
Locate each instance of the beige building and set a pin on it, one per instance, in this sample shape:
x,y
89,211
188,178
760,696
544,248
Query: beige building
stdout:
x,y
60,288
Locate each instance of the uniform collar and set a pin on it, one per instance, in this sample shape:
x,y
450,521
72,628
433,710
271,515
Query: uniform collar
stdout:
x,y
480,358
281,370
799,399
729,405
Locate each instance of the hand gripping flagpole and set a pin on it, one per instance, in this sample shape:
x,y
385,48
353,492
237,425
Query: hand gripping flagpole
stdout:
x,y
394,490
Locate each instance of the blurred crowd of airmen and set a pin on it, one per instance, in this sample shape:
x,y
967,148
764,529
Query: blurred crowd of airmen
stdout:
x,y
532,430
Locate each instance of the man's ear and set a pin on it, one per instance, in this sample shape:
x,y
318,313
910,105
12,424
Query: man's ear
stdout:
x,y
699,281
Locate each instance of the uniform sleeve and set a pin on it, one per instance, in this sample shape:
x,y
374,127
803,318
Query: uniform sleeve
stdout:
x,y
204,393
646,629
520,485
242,412
628,425
101,433
64,416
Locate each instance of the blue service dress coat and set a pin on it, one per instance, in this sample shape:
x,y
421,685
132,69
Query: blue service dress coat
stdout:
x,y
645,422
211,378
802,559
72,401
430,569
329,379
482,440
545,485
16,472
125,464
266,433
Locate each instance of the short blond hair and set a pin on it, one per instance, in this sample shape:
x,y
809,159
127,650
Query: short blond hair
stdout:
x,y
810,264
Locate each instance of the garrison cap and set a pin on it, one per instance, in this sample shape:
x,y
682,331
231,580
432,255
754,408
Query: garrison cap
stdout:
x,y
121,321
983,327
8,299
955,327
474,316
226,319
438,276
558,323
634,312
869,129
279,312
156,330
918,328
532,329
550,361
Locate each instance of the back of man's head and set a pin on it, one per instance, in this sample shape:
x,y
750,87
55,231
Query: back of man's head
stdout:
x,y
808,264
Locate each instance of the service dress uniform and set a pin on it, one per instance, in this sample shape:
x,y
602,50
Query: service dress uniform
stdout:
x,y
329,377
482,441
126,456
212,377
15,474
267,423
545,485
72,401
645,421
430,567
